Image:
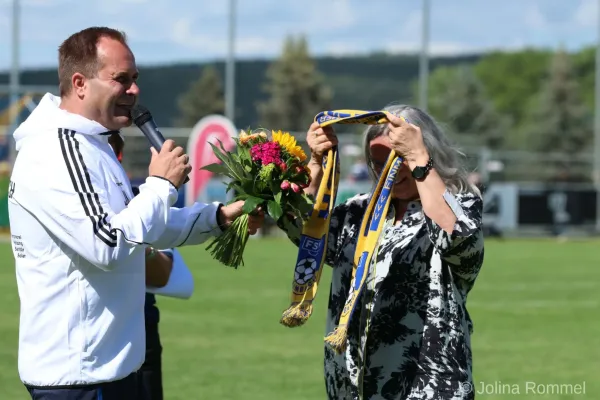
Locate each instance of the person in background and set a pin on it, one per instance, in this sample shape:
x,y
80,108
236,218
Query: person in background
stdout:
x,y
359,172
159,264
5,192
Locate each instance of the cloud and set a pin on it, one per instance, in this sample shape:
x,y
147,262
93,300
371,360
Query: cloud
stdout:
x,y
185,34
556,21
586,15
534,18
35,3
434,48
4,22
338,14
442,48
127,9
437,48
164,31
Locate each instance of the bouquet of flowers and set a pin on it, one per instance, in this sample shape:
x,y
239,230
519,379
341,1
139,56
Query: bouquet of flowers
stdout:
x,y
264,172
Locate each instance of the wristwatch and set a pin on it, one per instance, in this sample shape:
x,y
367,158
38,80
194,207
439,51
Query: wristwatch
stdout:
x,y
421,172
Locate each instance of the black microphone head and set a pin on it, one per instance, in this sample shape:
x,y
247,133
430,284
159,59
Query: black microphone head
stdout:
x,y
140,115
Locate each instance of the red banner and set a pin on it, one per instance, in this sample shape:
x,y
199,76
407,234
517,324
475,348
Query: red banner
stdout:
x,y
207,130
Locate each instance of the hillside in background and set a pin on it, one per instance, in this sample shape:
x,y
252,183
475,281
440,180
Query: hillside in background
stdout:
x,y
364,82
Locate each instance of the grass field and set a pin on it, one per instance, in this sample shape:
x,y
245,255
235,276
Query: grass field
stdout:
x,y
535,308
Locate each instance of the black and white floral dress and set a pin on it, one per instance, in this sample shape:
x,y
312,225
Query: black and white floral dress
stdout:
x,y
410,336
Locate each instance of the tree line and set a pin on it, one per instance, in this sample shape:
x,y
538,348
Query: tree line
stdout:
x,y
533,100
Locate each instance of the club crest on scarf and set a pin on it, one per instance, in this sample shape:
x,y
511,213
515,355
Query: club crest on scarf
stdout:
x,y
313,242
312,247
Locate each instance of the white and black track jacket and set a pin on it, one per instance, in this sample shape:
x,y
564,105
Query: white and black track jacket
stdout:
x,y
78,238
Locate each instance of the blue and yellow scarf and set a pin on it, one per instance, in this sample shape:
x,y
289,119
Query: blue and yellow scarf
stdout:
x,y
313,241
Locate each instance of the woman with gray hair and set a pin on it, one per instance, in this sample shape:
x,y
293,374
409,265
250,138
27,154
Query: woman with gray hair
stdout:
x,y
411,335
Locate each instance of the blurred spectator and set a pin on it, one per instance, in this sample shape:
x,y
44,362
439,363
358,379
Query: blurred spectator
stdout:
x,y
159,264
4,148
359,171
490,208
4,193
476,180
558,202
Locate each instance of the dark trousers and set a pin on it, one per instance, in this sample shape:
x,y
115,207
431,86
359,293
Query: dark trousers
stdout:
x,y
124,389
150,374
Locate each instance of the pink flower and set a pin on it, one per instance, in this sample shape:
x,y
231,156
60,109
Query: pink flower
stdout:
x,y
266,153
296,188
285,185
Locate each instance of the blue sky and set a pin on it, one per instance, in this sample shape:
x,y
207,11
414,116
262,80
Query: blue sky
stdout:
x,y
188,30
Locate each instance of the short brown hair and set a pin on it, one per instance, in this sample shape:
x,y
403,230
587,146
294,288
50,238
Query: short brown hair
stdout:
x,y
79,53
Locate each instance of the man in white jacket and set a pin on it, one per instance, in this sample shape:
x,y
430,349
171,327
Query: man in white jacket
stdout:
x,y
79,235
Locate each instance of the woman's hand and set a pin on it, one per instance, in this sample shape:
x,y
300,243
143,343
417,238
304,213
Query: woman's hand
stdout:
x,y
407,140
320,140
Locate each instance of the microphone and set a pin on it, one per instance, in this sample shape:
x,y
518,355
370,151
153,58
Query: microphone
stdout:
x,y
143,119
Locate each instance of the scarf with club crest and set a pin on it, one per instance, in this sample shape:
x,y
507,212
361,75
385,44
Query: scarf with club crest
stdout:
x,y
313,241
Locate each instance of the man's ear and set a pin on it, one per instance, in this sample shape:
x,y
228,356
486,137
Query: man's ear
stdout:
x,y
78,81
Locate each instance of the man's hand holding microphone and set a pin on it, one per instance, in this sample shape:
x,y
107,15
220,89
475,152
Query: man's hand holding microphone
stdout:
x,y
171,163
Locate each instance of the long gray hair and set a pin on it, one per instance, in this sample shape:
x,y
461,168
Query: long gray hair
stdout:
x,y
446,158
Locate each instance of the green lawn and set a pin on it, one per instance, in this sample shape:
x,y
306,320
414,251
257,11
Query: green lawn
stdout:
x,y
535,309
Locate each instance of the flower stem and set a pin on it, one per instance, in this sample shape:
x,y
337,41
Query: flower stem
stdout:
x,y
228,248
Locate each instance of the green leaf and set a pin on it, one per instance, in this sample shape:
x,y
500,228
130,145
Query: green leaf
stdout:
x,y
290,228
309,199
274,210
241,172
228,159
300,203
221,145
245,153
278,197
216,168
229,185
236,186
251,203
248,163
224,157
248,186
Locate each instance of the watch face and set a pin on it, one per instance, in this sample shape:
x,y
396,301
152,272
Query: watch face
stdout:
x,y
418,173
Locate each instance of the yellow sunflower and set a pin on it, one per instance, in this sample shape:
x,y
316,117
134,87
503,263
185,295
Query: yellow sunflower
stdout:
x,y
288,142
